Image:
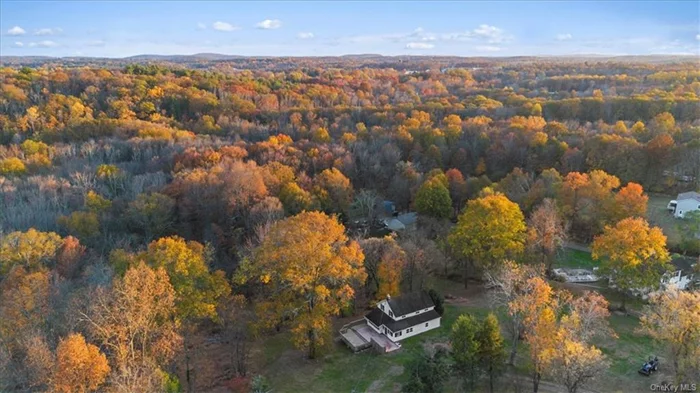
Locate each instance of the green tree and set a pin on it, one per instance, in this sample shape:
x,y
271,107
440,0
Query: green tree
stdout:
x,y
490,346
197,289
295,199
427,374
465,348
84,225
152,214
433,199
689,228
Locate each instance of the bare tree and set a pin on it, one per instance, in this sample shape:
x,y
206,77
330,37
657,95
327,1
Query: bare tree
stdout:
x,y
546,232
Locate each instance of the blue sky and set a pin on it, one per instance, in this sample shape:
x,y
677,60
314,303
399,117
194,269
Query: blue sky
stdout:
x,y
467,28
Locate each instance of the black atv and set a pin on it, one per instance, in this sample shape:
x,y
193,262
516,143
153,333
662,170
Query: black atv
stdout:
x,y
650,366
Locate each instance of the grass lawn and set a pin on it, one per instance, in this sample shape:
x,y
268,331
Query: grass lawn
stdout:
x,y
626,354
571,258
340,370
657,215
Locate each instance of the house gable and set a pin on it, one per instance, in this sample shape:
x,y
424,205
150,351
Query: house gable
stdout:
x,y
385,307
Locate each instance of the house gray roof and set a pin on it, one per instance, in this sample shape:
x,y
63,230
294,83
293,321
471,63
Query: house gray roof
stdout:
x,y
410,302
684,264
377,317
689,195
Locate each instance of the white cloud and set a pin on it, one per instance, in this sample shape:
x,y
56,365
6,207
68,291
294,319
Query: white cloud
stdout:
x,y
422,35
697,37
48,31
416,35
43,44
201,26
491,33
487,48
223,26
269,24
419,45
305,36
564,37
487,33
19,44
16,31
95,43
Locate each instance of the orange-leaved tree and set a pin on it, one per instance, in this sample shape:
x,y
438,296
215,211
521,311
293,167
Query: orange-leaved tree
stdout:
x,y
539,306
80,366
307,266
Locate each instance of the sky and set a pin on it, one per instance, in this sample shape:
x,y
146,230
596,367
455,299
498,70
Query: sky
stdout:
x,y
329,28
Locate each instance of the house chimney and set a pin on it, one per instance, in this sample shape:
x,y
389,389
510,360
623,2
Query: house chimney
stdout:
x,y
388,297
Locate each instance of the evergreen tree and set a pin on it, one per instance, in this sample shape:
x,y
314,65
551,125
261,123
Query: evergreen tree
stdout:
x,y
465,348
427,374
490,352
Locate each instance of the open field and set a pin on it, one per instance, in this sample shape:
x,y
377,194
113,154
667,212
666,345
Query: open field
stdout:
x,y
339,370
571,258
658,215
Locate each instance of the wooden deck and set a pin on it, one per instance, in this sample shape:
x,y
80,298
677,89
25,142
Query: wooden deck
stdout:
x,y
359,336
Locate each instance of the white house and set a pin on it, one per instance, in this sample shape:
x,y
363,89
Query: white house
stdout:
x,y
404,316
684,203
681,276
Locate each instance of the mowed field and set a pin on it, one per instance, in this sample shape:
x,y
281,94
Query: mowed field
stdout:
x,y
658,215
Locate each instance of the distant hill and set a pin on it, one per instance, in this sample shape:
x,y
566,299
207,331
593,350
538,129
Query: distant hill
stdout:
x,y
205,60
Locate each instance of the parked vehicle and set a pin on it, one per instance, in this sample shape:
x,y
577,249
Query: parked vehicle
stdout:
x,y
650,366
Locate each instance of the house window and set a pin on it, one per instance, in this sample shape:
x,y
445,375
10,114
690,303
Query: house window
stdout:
x,y
426,324
391,314
381,306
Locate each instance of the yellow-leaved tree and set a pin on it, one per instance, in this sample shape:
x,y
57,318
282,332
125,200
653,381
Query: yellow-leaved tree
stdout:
x,y
632,254
558,329
198,290
307,267
673,317
573,362
489,230
32,249
384,263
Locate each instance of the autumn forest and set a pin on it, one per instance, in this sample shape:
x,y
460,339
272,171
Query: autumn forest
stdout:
x,y
209,225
